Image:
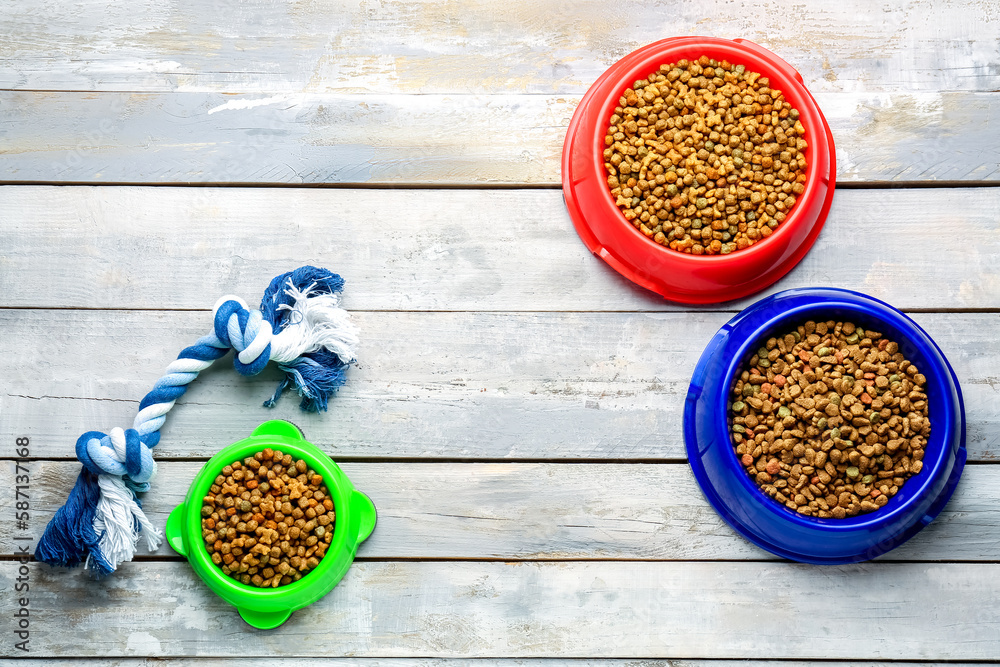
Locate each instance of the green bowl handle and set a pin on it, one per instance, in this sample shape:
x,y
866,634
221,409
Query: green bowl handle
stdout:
x,y
265,620
280,428
174,529
364,508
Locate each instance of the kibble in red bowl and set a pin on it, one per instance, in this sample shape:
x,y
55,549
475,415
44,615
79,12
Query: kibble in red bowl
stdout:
x,y
670,265
704,156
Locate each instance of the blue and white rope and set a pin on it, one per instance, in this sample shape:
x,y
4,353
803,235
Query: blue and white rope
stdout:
x,y
102,519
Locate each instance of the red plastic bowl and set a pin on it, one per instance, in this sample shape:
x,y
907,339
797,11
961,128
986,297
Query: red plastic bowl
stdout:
x,y
675,275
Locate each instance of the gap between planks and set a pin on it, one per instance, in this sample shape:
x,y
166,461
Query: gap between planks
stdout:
x,y
417,185
403,661
401,311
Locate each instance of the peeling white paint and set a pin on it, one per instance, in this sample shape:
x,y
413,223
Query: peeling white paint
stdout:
x,y
233,105
143,643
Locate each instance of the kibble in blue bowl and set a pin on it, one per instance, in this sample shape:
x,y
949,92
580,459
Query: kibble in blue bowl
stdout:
x,y
753,460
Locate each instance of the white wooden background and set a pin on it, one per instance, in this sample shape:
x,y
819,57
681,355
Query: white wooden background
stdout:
x,y
516,413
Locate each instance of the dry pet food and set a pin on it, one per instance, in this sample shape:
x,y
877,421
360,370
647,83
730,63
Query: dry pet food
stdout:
x,y
705,157
830,420
267,520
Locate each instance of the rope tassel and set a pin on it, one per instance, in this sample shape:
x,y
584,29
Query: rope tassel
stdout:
x,y
300,326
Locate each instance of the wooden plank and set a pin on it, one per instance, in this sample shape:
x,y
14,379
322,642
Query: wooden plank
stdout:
x,y
282,139
560,610
496,250
429,385
311,138
436,662
531,511
477,46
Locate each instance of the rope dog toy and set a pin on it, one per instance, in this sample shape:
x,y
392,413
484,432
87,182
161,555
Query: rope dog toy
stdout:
x,y
300,325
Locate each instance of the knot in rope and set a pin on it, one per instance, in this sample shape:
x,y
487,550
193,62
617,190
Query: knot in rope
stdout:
x,y
121,453
246,331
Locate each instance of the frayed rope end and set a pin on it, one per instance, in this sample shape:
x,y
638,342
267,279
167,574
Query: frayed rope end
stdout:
x,y
70,538
317,377
99,526
316,340
120,521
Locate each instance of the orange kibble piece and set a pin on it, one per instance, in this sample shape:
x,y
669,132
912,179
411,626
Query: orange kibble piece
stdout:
x,y
779,380
747,460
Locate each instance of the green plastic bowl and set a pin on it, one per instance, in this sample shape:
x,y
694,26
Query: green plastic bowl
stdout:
x,y
269,608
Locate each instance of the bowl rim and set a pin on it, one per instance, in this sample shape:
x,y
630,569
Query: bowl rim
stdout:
x,y
942,473
586,133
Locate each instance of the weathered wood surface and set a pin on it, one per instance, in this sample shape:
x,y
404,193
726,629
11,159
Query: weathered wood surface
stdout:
x,y
532,511
102,286
476,46
429,385
501,250
315,138
917,611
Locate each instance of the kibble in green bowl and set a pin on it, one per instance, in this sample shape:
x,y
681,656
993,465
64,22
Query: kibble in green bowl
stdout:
x,y
352,521
268,519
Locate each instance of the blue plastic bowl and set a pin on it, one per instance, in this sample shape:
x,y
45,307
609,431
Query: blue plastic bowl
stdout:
x,y
766,522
